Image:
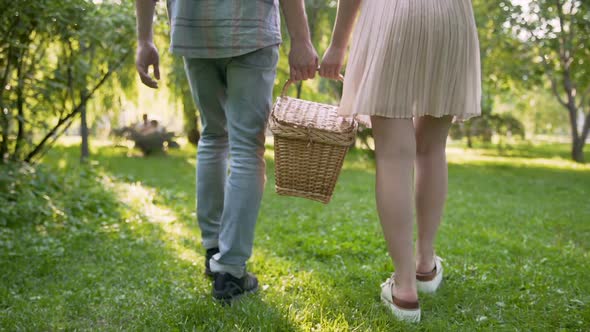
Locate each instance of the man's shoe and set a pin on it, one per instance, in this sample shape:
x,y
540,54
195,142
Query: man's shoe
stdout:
x,y
208,255
226,287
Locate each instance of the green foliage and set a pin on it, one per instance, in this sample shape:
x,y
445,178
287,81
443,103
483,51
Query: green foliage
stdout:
x,y
537,109
558,29
46,194
559,35
506,61
488,125
54,55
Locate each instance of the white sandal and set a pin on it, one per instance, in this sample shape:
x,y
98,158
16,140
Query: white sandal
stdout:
x,y
429,282
403,310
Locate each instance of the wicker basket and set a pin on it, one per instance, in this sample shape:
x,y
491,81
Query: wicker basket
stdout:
x,y
310,141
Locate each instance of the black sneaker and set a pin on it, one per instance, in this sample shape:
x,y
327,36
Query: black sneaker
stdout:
x,y
208,255
226,287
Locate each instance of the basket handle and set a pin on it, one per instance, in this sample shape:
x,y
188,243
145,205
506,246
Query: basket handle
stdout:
x,y
290,81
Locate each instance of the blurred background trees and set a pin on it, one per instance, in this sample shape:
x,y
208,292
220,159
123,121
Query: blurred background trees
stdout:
x,y
67,65
558,34
57,60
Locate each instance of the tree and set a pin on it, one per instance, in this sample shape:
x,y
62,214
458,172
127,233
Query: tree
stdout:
x,y
506,67
54,57
559,33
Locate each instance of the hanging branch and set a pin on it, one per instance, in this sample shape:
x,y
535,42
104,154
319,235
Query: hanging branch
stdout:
x,y
47,146
75,111
20,104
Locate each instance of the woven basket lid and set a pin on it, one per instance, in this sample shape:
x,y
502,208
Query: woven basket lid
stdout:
x,y
307,120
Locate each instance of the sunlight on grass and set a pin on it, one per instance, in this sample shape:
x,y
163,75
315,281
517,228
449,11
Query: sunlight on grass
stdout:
x,y
300,294
141,200
62,163
463,156
192,161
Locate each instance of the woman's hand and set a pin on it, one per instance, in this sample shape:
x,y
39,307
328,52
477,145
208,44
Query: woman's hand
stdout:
x,y
332,62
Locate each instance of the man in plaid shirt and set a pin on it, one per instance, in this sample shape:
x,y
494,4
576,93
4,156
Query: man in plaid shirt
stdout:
x,y
230,50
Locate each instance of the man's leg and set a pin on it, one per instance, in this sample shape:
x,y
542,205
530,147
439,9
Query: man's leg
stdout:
x,y
207,81
250,80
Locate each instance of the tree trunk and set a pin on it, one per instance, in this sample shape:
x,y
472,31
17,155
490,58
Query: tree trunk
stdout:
x,y
586,129
20,104
468,129
5,129
580,142
75,111
5,124
577,142
578,151
85,152
469,141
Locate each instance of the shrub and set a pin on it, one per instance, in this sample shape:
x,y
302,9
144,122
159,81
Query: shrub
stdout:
x,y
40,194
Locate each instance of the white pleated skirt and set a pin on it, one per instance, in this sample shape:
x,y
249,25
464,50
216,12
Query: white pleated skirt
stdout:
x,y
411,58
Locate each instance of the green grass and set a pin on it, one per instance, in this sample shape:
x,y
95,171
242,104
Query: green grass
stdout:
x,y
121,250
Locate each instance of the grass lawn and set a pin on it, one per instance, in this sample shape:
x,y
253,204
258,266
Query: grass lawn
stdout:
x,y
119,249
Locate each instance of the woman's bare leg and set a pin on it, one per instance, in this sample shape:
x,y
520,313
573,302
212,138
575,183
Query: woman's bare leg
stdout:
x,y
395,151
431,184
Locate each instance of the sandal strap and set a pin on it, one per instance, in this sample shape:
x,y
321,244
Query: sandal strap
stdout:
x,y
402,304
427,276
407,305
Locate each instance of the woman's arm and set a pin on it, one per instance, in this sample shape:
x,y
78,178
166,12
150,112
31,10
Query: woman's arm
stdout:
x,y
334,56
347,10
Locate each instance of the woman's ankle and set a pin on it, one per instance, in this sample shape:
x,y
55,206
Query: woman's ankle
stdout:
x,y
404,288
425,263
405,294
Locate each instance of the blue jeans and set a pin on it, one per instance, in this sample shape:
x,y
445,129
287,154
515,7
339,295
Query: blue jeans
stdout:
x,y
234,96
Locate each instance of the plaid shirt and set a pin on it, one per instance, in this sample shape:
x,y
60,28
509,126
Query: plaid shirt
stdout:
x,y
222,28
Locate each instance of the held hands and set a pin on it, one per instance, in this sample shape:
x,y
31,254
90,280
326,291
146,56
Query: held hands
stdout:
x,y
147,55
303,61
332,63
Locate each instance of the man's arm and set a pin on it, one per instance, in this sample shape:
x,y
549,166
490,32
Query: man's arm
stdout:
x,y
334,57
147,54
303,59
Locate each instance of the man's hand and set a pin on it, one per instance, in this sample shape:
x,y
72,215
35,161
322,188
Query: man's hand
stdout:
x,y
332,63
303,60
147,55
